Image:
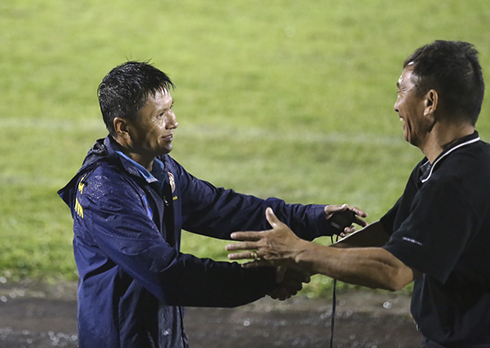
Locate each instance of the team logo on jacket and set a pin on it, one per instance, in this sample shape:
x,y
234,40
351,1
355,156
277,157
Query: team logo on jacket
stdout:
x,y
171,180
78,206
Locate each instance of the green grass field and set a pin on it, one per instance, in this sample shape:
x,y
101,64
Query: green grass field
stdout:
x,y
274,98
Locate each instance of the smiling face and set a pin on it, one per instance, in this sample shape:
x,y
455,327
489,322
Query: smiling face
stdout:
x,y
152,133
410,109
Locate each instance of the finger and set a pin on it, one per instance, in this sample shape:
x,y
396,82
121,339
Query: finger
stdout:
x,y
348,230
330,209
358,212
280,294
246,236
359,215
241,246
280,272
252,264
258,263
241,256
360,222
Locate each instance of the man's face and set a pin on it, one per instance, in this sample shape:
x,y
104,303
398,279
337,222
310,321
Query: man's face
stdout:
x,y
410,109
152,134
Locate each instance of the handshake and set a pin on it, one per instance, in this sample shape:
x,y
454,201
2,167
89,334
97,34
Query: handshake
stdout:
x,y
280,247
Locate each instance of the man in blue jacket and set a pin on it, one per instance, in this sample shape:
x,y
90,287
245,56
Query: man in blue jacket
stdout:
x,y
129,202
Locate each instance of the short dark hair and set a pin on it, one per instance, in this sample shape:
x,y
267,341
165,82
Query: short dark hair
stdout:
x,y
126,88
452,69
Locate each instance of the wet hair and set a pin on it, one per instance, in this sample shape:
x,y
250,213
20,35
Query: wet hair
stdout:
x,y
452,69
126,88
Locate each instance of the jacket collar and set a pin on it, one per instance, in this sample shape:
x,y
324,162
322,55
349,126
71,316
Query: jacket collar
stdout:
x,y
105,150
132,167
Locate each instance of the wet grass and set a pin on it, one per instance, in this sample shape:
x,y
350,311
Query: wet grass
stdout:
x,y
281,98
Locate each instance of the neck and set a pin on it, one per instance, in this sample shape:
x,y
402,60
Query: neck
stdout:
x,y
145,161
441,136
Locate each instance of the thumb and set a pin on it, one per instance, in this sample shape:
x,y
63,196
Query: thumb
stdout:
x,y
271,217
332,208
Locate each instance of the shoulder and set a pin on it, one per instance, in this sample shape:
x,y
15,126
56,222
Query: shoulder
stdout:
x,y
105,171
108,179
468,162
464,175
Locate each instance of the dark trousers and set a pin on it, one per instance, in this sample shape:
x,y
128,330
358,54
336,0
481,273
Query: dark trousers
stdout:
x,y
431,344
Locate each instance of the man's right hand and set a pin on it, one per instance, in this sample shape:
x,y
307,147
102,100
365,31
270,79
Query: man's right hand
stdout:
x,y
290,282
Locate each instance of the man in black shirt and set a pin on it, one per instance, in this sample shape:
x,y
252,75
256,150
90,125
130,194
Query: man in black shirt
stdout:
x,y
438,233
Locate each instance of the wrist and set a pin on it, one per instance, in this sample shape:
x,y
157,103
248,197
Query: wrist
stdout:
x,y
300,253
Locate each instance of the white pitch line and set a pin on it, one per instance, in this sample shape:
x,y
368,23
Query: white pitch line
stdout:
x,y
197,131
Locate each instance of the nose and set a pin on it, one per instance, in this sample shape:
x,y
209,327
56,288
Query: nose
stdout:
x,y
171,121
395,106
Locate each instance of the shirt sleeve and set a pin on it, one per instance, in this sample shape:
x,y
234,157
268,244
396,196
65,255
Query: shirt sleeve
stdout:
x,y
217,212
113,223
388,220
433,236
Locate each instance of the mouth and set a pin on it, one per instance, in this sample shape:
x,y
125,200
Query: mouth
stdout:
x,y
168,137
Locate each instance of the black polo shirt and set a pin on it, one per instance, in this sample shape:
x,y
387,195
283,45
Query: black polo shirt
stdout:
x,y
441,227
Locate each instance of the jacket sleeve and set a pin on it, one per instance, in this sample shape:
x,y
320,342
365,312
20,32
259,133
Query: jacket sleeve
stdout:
x,y
217,212
111,221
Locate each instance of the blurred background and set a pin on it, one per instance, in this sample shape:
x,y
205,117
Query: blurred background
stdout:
x,y
274,98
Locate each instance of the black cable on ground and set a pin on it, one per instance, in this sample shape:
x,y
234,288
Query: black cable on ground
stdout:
x,y
334,305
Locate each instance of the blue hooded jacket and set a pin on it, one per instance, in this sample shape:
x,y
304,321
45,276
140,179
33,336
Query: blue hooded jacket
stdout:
x,y
133,279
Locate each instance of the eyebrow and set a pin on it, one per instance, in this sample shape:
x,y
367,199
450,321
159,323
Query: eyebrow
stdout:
x,y
166,109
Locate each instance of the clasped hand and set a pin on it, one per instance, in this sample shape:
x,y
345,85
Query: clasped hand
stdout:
x,y
289,283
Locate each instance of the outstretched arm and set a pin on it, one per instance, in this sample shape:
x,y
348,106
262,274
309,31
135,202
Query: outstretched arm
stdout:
x,y
217,212
372,266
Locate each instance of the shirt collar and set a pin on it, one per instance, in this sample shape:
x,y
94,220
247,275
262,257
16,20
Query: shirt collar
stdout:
x,y
143,171
133,167
427,168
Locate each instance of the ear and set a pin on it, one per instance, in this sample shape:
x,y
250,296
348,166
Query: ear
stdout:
x,y
431,102
121,126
